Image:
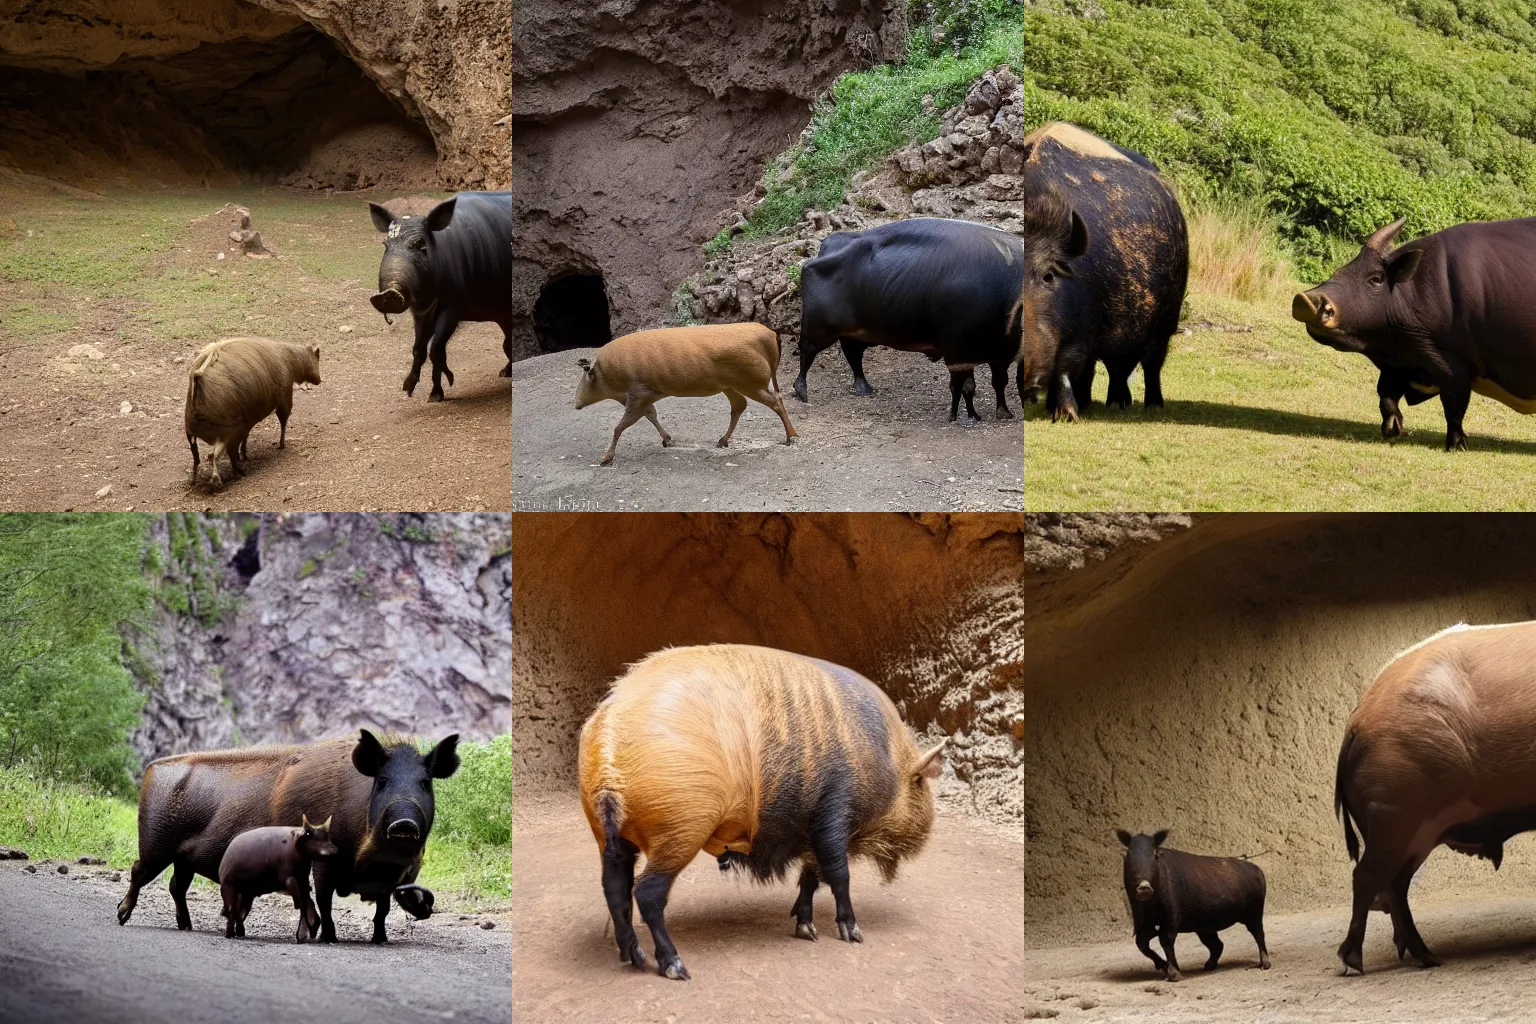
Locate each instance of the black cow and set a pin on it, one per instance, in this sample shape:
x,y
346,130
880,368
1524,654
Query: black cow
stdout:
x,y
1447,314
1172,891
946,288
452,265
1108,263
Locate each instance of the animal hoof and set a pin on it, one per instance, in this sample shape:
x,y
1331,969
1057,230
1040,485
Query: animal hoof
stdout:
x,y
123,914
449,374
666,442
1351,960
863,390
805,930
849,932
379,938
722,443
409,387
799,394
1427,959
1174,976
635,956
676,971
436,396
606,460
1005,414
1264,963
1392,427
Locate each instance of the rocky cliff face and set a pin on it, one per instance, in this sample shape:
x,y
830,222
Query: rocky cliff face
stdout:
x,y
284,628
637,123
252,86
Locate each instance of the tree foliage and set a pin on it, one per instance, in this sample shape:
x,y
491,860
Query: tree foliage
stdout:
x,y
71,586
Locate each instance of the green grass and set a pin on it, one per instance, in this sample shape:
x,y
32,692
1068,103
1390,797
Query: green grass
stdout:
x,y
870,114
65,821
1271,420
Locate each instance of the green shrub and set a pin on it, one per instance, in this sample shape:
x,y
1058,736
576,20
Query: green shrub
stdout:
x,y
469,854
65,821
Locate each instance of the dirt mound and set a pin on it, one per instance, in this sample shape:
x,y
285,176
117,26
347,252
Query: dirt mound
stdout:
x,y
635,128
381,155
224,233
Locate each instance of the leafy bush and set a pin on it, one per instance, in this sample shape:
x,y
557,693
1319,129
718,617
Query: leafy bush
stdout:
x,y
469,854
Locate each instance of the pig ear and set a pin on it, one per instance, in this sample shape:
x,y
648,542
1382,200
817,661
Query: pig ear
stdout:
x,y
1159,836
585,364
1381,238
1124,836
929,765
443,759
1077,238
304,820
382,218
326,825
441,215
368,756
1402,264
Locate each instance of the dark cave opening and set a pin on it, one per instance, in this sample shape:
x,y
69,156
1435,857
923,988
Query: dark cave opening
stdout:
x,y
572,312
256,108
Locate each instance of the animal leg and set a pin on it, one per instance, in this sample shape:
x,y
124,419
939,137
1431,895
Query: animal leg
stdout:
x,y
1152,377
145,870
1069,381
1144,943
962,384
1000,387
181,879
1386,851
301,902
380,912
1405,935
1256,929
853,351
1455,400
243,911
811,342
634,407
231,908
216,450
1167,937
619,888
323,890
1213,943
804,928
1082,383
737,405
1390,387
650,414
774,400
829,843
441,332
418,353
651,896
195,457
1119,385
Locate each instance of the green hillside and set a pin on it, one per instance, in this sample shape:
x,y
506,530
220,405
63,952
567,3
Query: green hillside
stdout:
x,y
1337,115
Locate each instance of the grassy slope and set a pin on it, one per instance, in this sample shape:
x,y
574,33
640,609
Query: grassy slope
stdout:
x,y
1322,120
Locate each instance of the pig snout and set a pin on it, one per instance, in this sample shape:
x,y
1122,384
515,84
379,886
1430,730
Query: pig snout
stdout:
x,y
390,300
1143,891
1313,309
403,828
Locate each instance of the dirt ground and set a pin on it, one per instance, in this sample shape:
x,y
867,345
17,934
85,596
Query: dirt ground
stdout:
x,y
64,959
943,943
97,401
893,451
1488,948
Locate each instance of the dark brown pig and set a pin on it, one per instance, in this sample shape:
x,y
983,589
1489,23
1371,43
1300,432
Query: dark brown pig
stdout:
x,y
378,793
1438,752
1107,261
1447,314
1172,891
273,859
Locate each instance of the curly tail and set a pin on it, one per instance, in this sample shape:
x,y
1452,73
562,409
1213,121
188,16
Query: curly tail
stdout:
x,y
1340,806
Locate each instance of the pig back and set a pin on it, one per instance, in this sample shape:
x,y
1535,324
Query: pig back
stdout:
x,y
1209,893
263,855
692,362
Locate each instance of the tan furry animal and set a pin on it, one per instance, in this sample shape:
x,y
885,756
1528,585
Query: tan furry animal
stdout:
x,y
739,360
759,757
234,384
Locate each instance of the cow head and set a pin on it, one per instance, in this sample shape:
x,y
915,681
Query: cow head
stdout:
x,y
406,276
1055,237
1141,863
401,808
1353,308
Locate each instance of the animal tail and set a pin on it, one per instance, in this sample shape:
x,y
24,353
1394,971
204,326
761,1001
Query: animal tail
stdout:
x,y
778,353
1340,806
610,812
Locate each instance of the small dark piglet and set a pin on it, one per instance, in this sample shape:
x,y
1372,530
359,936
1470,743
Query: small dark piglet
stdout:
x,y
273,859
1172,891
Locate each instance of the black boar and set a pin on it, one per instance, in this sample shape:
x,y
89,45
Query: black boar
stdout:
x,y
1108,261
378,795
1172,891
759,757
272,859
452,265
1447,314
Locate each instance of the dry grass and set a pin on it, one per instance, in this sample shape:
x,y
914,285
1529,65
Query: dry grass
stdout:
x,y
1233,254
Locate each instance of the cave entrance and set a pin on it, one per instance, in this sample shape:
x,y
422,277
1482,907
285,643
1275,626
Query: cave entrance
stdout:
x,y
572,312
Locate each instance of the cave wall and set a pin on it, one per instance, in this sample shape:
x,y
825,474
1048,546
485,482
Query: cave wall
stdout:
x,y
638,126
226,86
397,621
929,606
1202,682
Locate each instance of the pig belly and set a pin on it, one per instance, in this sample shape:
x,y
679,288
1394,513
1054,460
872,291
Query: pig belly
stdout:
x,y
1494,390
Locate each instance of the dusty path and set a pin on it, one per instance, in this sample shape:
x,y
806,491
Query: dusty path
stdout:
x,y
894,450
64,959
1488,946
356,442
943,943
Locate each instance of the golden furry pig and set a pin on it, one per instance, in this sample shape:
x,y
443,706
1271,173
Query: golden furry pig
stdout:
x,y
234,384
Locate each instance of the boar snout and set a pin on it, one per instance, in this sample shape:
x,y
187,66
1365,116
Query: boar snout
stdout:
x,y
1143,891
391,300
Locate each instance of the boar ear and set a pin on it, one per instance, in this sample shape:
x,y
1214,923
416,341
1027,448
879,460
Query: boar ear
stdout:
x,y
1077,238
441,215
1402,264
314,350
443,759
1159,836
1381,238
368,756
304,820
929,765
382,218
326,825
1124,837
585,364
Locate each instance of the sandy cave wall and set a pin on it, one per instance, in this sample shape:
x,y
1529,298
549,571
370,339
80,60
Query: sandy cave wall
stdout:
x,y
1202,683
434,72
929,606
638,127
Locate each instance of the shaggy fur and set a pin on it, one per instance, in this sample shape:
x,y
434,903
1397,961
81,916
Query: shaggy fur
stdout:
x,y
236,383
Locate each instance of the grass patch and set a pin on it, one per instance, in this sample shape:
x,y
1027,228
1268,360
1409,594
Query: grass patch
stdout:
x,y
1233,251
64,822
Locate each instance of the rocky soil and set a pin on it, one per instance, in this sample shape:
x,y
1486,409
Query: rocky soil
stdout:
x,y
293,627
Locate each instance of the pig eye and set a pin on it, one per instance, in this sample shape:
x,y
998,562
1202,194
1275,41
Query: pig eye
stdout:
x,y
1375,280
418,243
1048,277
426,784
381,782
